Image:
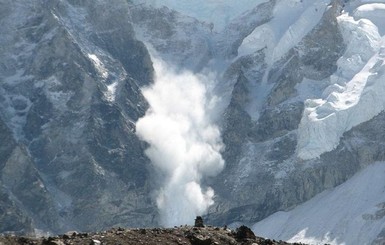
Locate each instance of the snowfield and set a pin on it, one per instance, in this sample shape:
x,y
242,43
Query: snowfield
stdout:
x,y
352,213
217,12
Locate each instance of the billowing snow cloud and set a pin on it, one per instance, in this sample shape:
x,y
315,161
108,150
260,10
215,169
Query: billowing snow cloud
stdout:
x,y
184,144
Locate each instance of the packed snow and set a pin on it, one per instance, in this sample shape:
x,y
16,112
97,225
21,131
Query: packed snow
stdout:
x,y
292,21
326,218
110,93
101,69
353,89
375,12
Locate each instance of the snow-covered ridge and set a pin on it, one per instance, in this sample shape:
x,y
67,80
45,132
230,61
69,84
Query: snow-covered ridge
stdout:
x,y
217,12
351,213
374,12
355,87
292,21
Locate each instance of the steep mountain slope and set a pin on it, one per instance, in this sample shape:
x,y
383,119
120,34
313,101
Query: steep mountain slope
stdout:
x,y
294,86
69,91
348,214
293,92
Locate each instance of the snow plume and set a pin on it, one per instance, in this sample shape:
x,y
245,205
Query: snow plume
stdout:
x,y
184,143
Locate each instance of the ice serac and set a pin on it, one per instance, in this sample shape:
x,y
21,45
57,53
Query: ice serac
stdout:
x,y
264,112
373,12
354,87
294,87
262,122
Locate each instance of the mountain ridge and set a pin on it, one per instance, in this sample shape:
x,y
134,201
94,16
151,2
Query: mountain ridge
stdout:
x,y
72,76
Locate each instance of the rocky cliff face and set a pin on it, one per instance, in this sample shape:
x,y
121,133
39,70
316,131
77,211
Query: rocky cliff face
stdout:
x,y
265,144
70,77
285,73
266,85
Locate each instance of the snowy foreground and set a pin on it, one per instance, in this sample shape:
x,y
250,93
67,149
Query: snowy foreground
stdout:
x,y
352,213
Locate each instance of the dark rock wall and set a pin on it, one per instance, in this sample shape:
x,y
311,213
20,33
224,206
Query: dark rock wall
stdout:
x,y
75,161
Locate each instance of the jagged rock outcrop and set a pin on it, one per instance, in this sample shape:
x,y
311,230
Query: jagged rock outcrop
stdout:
x,y
182,41
259,149
263,173
178,235
70,95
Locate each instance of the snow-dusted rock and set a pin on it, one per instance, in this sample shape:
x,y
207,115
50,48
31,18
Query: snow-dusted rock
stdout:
x,y
294,86
70,73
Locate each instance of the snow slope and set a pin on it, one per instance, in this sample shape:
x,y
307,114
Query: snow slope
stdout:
x,y
374,12
292,21
357,84
326,218
218,12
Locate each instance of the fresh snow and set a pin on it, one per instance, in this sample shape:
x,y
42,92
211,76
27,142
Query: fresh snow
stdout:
x,y
110,94
326,218
353,89
103,72
375,12
110,71
292,21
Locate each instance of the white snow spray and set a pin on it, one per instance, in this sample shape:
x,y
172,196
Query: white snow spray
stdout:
x,y
184,144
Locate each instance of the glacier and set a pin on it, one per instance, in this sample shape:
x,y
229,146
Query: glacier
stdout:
x,y
286,92
346,101
292,21
352,213
274,43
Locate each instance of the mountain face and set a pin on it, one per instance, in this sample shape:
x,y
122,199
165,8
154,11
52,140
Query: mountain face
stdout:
x,y
295,88
348,214
70,78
